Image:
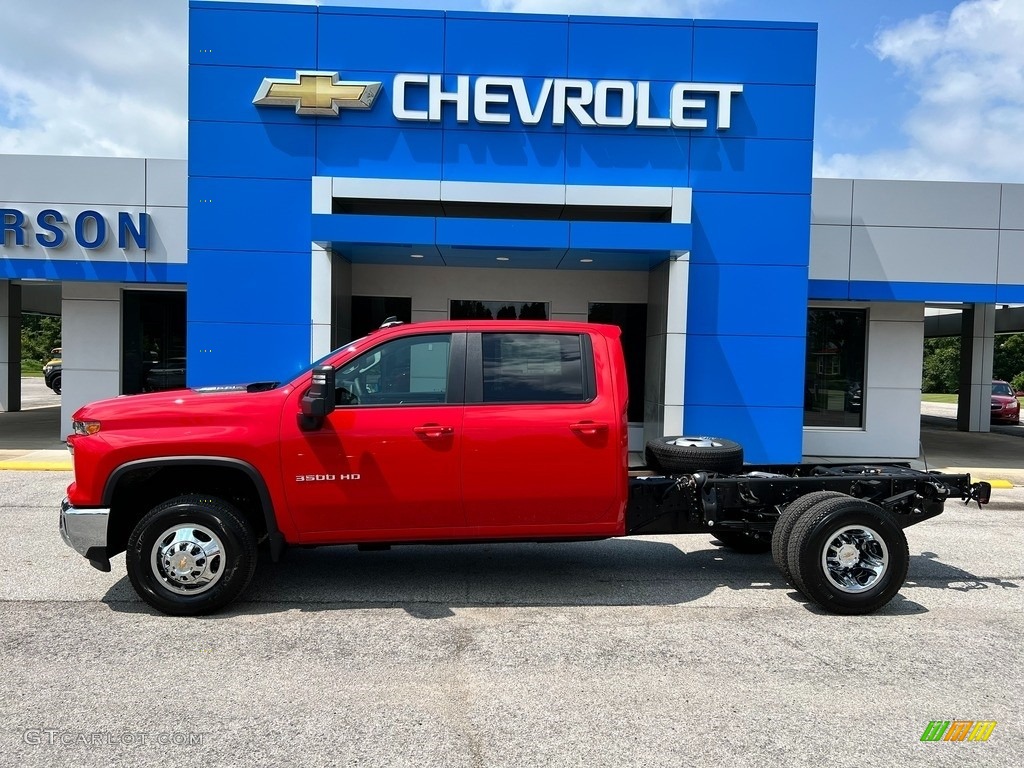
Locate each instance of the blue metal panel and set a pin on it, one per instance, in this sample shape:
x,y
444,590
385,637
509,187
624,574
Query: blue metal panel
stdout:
x,y
607,260
248,215
747,300
828,289
746,55
503,233
537,158
868,290
89,271
1010,294
412,231
637,160
284,37
751,229
769,112
512,45
378,152
166,273
630,49
740,371
400,255
265,287
271,150
751,165
768,435
413,42
238,353
625,235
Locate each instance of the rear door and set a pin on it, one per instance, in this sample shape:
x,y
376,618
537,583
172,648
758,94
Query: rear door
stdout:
x,y
542,453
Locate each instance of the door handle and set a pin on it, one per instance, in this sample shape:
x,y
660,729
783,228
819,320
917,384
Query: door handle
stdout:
x,y
433,430
588,427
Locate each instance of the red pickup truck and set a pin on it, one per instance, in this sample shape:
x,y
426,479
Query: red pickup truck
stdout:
x,y
457,432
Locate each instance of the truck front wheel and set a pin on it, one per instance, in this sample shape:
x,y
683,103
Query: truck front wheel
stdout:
x,y
849,556
191,555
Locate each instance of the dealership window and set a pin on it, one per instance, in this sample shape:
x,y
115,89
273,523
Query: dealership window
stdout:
x,y
368,312
153,341
472,309
836,354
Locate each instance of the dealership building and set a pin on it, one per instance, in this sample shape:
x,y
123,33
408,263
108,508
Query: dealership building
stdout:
x,y
346,165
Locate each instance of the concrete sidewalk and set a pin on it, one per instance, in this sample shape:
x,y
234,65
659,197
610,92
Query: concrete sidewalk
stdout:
x,y
28,442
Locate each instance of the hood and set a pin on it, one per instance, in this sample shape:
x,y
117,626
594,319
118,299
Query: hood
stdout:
x,y
203,405
1003,399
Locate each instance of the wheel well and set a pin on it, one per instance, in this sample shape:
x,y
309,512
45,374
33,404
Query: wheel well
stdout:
x,y
139,490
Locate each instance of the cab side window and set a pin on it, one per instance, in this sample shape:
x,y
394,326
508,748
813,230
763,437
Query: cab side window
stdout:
x,y
533,368
408,371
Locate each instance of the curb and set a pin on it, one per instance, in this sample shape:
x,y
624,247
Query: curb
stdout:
x,y
36,466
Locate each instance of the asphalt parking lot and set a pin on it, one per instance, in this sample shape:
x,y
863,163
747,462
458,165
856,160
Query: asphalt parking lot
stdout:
x,y
651,651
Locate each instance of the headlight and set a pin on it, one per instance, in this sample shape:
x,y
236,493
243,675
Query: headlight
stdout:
x,y
85,427
47,368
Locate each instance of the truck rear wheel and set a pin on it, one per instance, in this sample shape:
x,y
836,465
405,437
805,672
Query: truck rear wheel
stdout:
x,y
785,523
849,556
682,455
191,555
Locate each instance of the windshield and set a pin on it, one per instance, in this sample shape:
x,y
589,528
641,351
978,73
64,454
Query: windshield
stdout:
x,y
1001,388
352,345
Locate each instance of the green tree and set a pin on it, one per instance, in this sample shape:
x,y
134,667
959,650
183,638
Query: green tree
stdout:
x,y
39,334
1008,357
941,373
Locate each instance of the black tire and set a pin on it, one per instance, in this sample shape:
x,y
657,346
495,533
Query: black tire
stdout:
x,y
872,536
221,578
747,543
785,523
683,455
55,385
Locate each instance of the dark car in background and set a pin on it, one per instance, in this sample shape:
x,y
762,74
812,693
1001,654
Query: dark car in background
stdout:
x,y
1005,406
52,370
166,374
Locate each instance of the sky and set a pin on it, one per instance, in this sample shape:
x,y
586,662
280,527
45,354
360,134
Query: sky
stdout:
x,y
907,89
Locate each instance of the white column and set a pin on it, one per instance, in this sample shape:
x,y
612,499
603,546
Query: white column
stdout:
x,y
320,303
977,347
668,287
91,346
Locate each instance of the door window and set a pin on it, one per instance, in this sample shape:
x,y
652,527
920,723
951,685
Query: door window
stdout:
x,y
532,368
409,371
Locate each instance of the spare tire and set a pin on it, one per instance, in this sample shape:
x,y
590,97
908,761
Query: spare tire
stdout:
x,y
682,455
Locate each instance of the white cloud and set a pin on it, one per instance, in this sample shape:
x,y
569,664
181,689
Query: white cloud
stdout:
x,y
104,78
665,8
966,71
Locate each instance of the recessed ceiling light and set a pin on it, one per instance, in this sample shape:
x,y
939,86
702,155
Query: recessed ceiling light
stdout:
x,y
415,255
586,261
501,258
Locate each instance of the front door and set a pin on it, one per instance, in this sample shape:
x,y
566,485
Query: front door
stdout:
x,y
385,464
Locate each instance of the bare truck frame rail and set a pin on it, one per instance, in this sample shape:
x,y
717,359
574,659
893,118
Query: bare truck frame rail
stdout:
x,y
835,531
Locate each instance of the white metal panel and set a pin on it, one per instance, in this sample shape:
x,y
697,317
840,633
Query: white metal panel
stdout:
x,y
86,181
1011,257
167,183
894,355
917,255
830,252
925,204
1011,214
831,201
498,192
168,231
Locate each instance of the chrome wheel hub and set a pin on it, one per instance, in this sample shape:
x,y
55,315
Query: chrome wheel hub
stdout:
x,y
695,442
188,559
855,558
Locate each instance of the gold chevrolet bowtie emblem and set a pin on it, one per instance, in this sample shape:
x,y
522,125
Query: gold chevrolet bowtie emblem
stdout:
x,y
316,93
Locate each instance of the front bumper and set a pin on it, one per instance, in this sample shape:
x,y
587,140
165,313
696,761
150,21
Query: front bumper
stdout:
x,y
85,531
